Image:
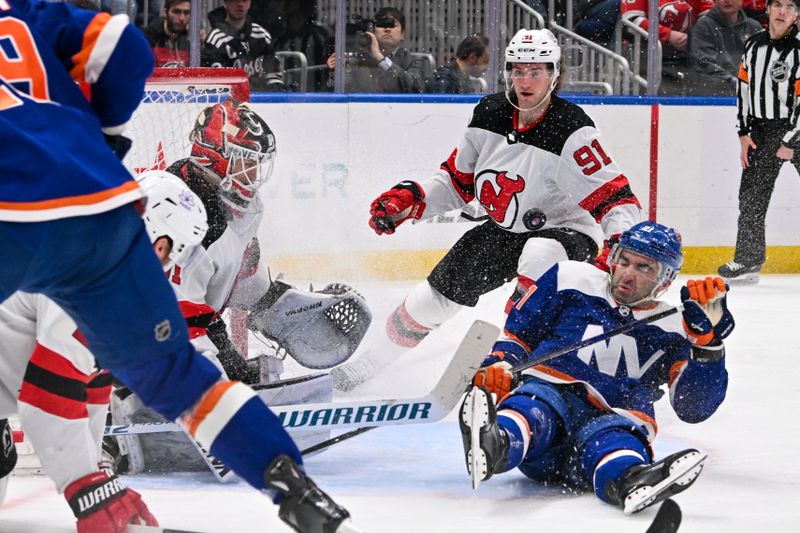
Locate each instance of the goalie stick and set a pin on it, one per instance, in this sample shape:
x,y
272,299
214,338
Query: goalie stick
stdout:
x,y
335,415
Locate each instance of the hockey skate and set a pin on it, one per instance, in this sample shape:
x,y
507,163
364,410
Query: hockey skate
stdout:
x,y
485,444
305,507
644,485
739,274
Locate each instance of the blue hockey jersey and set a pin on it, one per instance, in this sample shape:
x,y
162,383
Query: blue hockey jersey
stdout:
x,y
55,160
625,373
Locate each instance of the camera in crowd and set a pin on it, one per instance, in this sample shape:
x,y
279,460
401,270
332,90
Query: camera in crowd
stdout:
x,y
360,26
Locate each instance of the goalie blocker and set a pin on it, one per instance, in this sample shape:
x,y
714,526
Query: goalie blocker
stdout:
x,y
319,329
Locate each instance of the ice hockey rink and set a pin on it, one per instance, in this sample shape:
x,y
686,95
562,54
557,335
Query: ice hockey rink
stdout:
x,y
413,479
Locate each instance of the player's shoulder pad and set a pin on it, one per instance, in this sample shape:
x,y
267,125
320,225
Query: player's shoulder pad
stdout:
x,y
670,324
490,111
582,277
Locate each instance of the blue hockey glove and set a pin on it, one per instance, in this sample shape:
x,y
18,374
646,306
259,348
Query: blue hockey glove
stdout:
x,y
705,311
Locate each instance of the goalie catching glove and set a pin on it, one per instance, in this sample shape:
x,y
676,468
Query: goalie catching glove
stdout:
x,y
102,504
706,318
395,206
318,329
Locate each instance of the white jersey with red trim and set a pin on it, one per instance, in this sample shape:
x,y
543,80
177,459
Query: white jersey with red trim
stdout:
x,y
50,380
557,166
209,275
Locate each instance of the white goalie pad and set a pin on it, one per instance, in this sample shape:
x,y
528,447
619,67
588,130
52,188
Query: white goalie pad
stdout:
x,y
318,329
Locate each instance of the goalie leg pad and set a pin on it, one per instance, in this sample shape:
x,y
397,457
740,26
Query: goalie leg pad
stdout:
x,y
318,329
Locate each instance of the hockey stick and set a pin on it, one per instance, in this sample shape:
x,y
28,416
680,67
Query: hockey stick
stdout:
x,y
597,338
429,408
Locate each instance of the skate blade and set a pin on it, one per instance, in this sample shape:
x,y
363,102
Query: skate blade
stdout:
x,y
682,472
746,279
476,409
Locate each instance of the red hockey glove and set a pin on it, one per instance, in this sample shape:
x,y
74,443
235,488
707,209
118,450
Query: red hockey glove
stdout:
x,y
601,261
395,206
495,376
705,310
102,504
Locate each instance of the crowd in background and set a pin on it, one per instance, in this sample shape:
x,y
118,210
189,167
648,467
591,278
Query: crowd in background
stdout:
x,y
702,43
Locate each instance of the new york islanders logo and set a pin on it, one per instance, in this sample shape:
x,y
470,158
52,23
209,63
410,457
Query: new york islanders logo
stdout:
x,y
497,193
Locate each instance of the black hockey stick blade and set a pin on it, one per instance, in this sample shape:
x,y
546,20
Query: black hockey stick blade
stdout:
x,y
335,440
667,519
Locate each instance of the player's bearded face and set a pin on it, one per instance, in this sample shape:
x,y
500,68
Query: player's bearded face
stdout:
x,y
634,277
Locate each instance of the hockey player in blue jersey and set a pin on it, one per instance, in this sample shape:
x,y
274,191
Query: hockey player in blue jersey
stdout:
x,y
70,228
586,419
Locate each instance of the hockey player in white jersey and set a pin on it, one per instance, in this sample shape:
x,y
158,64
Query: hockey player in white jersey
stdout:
x,y
49,378
233,155
550,187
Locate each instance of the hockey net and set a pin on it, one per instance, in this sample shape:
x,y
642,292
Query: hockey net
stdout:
x,y
173,99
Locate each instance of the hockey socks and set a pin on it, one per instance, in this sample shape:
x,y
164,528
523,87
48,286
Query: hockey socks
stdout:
x,y
234,425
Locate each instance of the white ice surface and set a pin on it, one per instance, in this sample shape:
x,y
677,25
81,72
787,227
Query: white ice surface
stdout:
x,y
413,478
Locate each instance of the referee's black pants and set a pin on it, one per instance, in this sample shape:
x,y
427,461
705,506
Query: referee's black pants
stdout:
x,y
755,190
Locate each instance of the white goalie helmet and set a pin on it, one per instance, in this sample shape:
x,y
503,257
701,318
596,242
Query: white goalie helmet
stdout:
x,y
173,210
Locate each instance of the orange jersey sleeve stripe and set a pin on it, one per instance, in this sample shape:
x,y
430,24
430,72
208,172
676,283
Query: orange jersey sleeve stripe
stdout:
x,y
85,199
206,405
743,74
90,37
517,340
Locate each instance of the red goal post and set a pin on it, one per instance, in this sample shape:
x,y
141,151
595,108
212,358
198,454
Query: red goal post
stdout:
x,y
160,127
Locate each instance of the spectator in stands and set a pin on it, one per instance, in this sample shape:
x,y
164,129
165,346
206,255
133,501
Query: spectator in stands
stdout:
x,y
472,60
384,66
716,45
757,10
596,19
593,19
304,35
676,17
169,34
238,42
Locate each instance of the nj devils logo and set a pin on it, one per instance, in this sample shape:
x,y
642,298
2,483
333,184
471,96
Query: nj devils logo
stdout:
x,y
497,193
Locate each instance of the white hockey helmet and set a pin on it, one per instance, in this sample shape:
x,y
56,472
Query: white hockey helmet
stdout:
x,y
534,46
173,210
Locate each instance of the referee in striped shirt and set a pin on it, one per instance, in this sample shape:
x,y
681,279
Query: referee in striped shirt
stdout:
x,y
768,101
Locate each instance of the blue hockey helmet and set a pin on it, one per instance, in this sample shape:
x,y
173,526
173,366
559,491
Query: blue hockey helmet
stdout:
x,y
655,241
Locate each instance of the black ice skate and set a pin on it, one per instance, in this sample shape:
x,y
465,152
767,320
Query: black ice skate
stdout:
x,y
305,507
643,485
485,444
739,273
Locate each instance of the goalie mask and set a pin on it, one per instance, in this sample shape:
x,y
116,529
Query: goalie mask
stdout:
x,y
172,211
318,329
656,241
235,149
